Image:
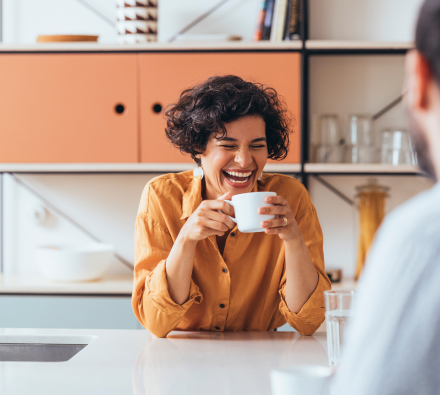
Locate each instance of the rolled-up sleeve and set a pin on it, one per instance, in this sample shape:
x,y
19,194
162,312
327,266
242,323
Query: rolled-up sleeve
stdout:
x,y
151,301
312,313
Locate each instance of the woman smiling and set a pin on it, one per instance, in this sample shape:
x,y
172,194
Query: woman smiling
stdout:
x,y
194,270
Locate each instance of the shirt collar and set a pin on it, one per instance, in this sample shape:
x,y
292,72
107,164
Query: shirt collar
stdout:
x,y
193,197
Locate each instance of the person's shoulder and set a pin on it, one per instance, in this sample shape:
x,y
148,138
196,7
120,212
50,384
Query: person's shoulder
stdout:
x,y
164,182
418,216
167,186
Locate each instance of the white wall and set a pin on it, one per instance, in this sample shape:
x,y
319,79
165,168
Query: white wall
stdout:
x,y
383,20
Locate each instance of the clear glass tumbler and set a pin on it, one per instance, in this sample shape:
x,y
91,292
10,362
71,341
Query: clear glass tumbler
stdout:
x,y
396,147
338,311
325,139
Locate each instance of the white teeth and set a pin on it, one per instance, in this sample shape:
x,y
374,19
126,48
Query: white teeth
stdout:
x,y
242,175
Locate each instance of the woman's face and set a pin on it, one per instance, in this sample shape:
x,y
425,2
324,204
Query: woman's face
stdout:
x,y
234,163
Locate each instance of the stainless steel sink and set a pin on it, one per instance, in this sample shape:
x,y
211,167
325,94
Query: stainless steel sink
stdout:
x,y
39,352
41,348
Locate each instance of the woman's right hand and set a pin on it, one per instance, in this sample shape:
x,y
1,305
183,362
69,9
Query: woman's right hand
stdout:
x,y
207,220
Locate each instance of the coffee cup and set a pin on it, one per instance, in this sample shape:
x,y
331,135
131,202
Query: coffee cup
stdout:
x,y
301,380
246,207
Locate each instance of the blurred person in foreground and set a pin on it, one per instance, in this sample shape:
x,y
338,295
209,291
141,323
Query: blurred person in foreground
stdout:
x,y
393,344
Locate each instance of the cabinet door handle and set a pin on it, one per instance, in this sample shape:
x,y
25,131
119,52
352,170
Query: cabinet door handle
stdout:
x,y
157,108
119,108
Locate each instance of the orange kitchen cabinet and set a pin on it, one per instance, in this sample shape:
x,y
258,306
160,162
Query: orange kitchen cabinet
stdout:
x,y
62,108
164,76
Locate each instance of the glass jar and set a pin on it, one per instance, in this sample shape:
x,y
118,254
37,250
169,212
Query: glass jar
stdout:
x,y
371,203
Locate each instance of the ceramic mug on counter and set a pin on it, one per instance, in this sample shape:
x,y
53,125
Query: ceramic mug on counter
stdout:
x,y
246,208
301,380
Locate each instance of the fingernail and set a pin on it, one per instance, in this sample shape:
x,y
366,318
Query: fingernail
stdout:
x,y
262,210
269,200
264,224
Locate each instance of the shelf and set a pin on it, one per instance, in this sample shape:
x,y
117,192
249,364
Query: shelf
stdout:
x,y
15,284
354,44
357,47
349,168
123,167
155,47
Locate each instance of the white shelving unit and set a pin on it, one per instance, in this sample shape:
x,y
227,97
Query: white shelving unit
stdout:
x,y
350,168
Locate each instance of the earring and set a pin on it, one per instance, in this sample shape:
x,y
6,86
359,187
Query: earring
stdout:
x,y
198,173
260,177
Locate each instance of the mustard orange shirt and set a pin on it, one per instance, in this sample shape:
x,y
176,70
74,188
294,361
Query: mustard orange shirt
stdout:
x,y
242,290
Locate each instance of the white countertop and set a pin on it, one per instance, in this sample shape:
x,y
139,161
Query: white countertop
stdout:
x,y
135,362
17,284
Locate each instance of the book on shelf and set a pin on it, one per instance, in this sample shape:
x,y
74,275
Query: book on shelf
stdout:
x,y
278,20
268,19
293,20
258,35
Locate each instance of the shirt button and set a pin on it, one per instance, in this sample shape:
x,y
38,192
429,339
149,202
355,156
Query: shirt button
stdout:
x,y
233,234
222,306
224,270
217,327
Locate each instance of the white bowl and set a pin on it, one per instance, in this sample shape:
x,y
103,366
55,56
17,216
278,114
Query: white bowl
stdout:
x,y
81,262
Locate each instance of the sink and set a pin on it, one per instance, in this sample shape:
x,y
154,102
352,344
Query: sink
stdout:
x,y
41,348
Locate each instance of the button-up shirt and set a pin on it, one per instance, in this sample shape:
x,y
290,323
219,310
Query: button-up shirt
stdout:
x,y
243,289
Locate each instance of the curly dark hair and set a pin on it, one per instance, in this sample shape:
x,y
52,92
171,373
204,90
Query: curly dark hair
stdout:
x,y
204,109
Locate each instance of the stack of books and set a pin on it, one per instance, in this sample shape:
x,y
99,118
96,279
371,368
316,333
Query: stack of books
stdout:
x,y
279,20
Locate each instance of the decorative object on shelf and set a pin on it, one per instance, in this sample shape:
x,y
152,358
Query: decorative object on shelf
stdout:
x,y
293,21
136,21
66,38
258,34
395,147
268,19
326,142
278,20
74,262
360,141
371,205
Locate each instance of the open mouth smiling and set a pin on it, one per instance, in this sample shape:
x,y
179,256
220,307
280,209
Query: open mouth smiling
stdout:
x,y
236,177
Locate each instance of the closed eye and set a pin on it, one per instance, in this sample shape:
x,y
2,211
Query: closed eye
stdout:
x,y
228,146
257,146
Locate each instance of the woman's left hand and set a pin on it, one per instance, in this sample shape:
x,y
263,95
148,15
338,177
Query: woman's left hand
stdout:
x,y
287,229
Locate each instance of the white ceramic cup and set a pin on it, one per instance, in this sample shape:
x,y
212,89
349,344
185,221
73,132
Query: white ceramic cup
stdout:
x,y
301,380
246,208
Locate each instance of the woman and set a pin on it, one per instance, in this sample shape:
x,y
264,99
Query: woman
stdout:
x,y
193,269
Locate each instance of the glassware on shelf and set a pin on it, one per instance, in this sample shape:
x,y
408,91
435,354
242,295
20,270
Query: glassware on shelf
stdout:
x,y
360,142
360,154
325,142
371,202
395,147
360,130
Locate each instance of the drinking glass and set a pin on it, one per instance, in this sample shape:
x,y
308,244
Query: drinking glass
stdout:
x,y
360,130
338,311
360,154
325,140
396,147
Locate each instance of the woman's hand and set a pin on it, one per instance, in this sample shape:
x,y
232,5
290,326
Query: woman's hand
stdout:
x,y
207,220
288,232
